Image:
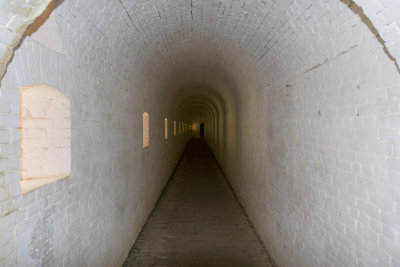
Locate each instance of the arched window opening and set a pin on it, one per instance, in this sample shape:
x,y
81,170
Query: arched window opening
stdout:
x,y
174,128
45,136
146,132
166,128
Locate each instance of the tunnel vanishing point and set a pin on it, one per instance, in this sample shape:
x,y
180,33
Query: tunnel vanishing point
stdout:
x,y
300,101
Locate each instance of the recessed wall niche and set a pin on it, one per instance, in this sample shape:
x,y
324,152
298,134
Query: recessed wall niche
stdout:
x,y
45,136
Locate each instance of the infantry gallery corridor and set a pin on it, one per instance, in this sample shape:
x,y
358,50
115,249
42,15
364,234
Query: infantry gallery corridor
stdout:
x,y
199,133
197,221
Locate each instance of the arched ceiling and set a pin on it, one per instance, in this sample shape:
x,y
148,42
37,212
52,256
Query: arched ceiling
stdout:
x,y
249,44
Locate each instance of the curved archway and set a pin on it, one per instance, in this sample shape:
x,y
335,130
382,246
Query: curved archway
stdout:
x,y
301,99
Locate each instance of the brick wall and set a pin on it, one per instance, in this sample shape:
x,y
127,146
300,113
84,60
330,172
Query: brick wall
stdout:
x,y
385,18
14,19
301,105
92,217
45,133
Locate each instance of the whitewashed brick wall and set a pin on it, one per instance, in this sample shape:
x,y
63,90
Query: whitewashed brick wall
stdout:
x,y
385,18
93,217
301,97
14,17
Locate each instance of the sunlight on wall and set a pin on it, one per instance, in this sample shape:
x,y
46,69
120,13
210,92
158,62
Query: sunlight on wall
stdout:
x,y
166,128
146,132
45,136
174,128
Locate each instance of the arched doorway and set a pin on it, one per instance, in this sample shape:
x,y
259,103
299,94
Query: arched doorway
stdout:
x,y
202,129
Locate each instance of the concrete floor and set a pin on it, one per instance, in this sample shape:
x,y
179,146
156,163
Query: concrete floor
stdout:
x,y
198,220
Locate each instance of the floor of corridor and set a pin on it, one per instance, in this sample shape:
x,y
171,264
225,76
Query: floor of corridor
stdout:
x,y
197,220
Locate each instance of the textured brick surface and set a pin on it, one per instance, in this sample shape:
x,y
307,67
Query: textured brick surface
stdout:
x,y
45,133
300,101
197,220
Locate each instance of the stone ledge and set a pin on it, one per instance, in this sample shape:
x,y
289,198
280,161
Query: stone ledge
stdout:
x,y
32,184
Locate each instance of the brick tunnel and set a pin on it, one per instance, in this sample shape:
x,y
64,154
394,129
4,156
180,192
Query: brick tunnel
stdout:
x,y
292,107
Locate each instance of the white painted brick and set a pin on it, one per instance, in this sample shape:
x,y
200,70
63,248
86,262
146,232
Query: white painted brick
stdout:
x,y
5,136
395,50
373,7
11,260
378,253
14,190
9,149
33,209
390,247
105,86
395,262
2,179
3,164
390,33
4,193
8,37
389,135
9,121
376,225
8,221
6,251
5,107
384,202
27,225
393,164
9,95
391,232
6,237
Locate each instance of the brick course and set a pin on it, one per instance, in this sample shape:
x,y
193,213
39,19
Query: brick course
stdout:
x,y
300,101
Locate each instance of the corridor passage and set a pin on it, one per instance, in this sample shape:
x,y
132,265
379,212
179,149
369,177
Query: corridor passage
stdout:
x,y
197,220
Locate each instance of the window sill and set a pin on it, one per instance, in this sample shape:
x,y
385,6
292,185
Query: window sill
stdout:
x,y
32,184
